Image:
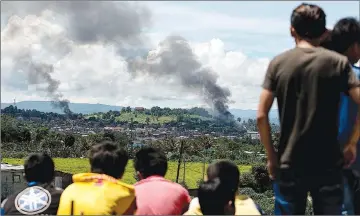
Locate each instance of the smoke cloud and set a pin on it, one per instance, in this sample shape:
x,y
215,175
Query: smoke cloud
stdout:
x,y
174,57
86,22
120,24
39,73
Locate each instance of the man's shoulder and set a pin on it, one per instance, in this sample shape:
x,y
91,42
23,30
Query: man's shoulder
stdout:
x,y
282,56
334,56
124,186
318,52
356,69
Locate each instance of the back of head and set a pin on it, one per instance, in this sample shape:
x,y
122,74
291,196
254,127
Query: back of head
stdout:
x,y
309,21
345,33
150,161
226,171
106,158
214,197
39,167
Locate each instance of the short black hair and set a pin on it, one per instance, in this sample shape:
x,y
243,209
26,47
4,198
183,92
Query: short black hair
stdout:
x,y
106,158
150,161
345,33
213,195
226,171
309,21
39,167
327,42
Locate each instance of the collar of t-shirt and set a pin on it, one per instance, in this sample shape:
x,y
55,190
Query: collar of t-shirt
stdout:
x,y
152,178
30,184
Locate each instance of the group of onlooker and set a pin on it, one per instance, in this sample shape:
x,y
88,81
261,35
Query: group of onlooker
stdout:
x,y
317,88
101,191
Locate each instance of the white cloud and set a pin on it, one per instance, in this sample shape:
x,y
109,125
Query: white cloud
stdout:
x,y
96,74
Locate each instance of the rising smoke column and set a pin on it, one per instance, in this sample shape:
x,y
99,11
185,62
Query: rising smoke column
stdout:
x,y
174,57
39,73
24,59
86,22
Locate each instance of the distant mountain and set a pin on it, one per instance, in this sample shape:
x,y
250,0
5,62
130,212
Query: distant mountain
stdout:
x,y
251,114
45,106
85,108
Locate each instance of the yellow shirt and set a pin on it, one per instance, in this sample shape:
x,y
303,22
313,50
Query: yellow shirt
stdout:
x,y
96,194
243,206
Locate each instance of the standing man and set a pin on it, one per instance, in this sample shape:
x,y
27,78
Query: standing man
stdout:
x,y
345,39
306,81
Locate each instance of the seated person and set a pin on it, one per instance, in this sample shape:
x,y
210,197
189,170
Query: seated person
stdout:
x,y
100,192
229,174
156,195
41,196
216,198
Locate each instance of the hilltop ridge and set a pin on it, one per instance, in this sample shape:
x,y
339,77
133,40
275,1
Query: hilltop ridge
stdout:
x,y
88,108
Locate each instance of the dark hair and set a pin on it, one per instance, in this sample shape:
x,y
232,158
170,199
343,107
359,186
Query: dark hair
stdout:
x,y
226,171
39,167
106,158
213,196
150,161
309,21
346,32
327,42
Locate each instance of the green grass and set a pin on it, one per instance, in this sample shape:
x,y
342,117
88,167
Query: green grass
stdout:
x,y
193,170
141,118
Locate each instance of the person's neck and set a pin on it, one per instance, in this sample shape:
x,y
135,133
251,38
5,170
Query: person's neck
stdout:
x,y
349,56
305,44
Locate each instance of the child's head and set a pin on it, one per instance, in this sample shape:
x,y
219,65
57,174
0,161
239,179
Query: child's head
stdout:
x,y
216,198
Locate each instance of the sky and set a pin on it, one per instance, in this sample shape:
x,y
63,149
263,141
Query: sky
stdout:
x,y
236,39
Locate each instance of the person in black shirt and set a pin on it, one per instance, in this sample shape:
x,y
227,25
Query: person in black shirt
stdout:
x,y
306,81
40,197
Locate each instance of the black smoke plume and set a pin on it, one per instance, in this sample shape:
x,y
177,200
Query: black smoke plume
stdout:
x,y
175,58
41,73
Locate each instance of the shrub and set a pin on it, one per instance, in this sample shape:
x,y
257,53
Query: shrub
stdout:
x,y
247,180
262,178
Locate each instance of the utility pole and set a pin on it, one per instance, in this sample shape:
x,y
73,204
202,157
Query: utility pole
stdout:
x,y
184,171
179,161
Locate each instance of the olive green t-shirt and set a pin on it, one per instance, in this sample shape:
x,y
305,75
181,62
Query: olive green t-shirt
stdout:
x,y
307,83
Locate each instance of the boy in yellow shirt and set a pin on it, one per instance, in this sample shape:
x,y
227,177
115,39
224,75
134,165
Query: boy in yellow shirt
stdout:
x,y
100,192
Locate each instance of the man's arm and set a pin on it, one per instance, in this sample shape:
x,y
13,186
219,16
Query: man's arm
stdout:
x,y
266,101
355,136
350,148
355,93
186,202
350,83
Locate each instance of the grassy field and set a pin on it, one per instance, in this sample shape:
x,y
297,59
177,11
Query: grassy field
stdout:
x,y
193,171
141,118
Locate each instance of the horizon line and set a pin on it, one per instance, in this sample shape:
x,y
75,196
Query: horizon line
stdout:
x,y
272,109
